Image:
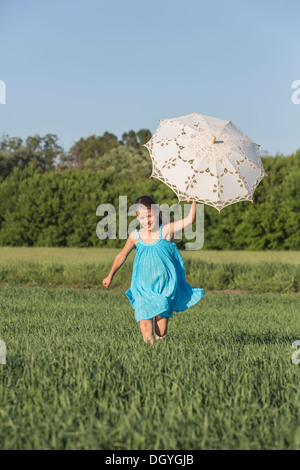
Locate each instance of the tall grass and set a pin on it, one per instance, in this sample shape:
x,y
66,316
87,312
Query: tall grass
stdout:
x,y
68,255
252,277
78,375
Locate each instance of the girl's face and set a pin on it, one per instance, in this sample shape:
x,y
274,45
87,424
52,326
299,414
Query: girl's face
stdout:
x,y
147,218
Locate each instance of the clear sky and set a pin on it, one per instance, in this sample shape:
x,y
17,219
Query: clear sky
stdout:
x,y
80,67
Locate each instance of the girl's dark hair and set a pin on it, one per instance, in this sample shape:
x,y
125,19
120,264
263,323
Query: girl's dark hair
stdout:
x,y
147,201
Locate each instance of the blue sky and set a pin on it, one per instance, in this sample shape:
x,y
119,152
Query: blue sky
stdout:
x,y
80,67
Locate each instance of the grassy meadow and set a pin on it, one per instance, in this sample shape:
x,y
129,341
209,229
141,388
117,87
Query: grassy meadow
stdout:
x,y
87,267
79,376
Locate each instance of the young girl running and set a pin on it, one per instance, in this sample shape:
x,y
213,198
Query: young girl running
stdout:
x,y
158,284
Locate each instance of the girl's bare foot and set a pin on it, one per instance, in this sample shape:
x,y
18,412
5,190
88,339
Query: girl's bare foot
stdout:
x,y
160,338
149,340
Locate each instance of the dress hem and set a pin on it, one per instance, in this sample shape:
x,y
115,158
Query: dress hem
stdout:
x,y
193,303
154,315
173,310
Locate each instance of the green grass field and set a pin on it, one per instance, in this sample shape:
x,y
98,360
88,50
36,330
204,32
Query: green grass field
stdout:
x,y
73,256
78,375
86,268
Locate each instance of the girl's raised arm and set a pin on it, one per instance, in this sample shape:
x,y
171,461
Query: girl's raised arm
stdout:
x,y
182,223
119,260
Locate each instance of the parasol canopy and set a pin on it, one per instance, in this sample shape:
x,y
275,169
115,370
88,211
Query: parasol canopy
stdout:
x,y
205,159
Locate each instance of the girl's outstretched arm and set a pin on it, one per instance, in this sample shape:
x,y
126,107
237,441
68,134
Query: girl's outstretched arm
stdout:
x,y
119,260
173,227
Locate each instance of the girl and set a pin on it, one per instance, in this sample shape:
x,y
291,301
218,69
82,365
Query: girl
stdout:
x,y
158,284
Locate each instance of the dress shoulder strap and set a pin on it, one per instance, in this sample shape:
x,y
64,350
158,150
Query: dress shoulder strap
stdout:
x,y
137,233
160,230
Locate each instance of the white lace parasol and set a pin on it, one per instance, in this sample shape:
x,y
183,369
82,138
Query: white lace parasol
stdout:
x,y
205,159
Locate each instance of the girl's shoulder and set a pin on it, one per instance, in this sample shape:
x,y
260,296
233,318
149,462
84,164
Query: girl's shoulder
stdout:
x,y
133,236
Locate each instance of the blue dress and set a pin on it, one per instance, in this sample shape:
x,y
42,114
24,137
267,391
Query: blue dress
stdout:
x,y
158,284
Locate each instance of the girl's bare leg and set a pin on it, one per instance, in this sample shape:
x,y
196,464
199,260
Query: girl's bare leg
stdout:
x,y
146,327
161,326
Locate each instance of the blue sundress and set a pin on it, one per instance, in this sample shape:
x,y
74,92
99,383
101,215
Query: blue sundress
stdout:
x,y
158,284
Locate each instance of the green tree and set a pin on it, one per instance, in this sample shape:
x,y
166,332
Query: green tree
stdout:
x,y
136,139
90,148
125,161
15,153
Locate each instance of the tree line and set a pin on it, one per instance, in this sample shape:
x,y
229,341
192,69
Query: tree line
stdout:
x,y
95,152
49,197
